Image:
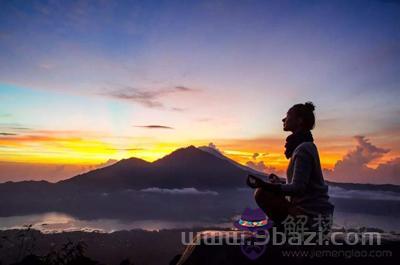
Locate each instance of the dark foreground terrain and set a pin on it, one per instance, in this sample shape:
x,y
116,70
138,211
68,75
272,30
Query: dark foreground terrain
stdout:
x,y
141,247
135,246
387,252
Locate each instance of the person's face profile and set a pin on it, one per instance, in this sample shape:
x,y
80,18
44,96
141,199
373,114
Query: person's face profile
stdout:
x,y
287,122
291,122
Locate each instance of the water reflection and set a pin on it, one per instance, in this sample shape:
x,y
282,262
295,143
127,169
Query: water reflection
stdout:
x,y
58,222
355,220
53,222
128,210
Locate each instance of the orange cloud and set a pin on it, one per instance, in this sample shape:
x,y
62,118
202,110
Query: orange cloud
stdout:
x,y
53,147
242,150
355,165
264,153
14,171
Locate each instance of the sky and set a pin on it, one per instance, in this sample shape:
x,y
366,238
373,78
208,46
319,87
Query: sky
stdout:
x,y
83,83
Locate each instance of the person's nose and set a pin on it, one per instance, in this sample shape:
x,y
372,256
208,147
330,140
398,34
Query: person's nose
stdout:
x,y
284,119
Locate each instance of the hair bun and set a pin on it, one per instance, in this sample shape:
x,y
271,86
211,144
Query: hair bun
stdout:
x,y
309,106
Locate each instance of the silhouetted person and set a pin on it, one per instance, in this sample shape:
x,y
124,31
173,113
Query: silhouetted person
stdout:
x,y
305,187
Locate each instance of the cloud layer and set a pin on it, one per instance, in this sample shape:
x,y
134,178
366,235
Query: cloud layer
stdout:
x,y
150,98
192,191
12,171
337,192
354,165
154,126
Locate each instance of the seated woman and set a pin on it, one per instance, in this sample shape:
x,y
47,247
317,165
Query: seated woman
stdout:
x,y
305,187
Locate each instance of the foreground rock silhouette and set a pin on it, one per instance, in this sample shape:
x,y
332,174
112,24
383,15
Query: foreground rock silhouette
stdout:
x,y
203,253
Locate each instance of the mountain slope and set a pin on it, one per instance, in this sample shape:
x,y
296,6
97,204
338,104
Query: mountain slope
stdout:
x,y
185,167
117,176
188,167
217,153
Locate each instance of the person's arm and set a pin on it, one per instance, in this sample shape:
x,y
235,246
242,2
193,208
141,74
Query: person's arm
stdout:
x,y
301,174
272,178
302,168
255,182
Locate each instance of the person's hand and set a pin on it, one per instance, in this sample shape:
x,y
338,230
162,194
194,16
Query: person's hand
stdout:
x,y
274,178
254,182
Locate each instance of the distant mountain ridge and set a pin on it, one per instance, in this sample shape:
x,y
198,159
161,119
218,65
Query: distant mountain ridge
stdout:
x,y
218,154
200,168
185,167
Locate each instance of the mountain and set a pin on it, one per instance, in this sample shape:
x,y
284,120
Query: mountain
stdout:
x,y
201,168
218,154
125,174
183,168
133,189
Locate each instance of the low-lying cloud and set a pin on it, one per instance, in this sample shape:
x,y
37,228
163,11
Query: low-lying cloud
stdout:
x,y
259,165
190,191
337,192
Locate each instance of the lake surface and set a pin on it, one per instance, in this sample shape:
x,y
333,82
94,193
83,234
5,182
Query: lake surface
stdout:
x,y
57,222
158,209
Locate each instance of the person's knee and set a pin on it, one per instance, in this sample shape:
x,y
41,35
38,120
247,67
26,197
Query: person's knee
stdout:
x,y
262,197
259,195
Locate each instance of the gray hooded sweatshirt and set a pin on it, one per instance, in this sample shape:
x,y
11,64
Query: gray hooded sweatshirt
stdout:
x,y
305,183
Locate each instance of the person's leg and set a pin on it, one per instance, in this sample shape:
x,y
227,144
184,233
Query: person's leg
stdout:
x,y
276,207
